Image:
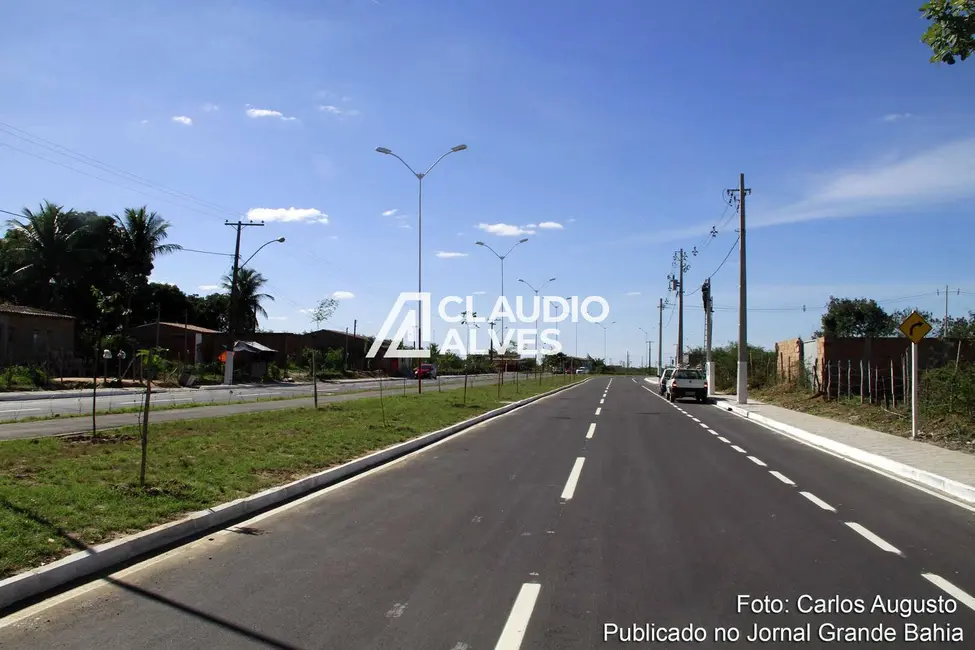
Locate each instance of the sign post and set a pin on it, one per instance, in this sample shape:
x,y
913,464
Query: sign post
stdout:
x,y
914,327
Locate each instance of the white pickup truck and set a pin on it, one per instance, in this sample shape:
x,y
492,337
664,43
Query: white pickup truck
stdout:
x,y
685,382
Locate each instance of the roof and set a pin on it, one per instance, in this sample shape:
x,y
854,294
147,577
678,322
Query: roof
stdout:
x,y
251,346
9,308
181,326
339,333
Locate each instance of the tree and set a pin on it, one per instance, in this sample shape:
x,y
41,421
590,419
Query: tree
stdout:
x,y
152,362
249,297
855,317
143,234
324,310
951,34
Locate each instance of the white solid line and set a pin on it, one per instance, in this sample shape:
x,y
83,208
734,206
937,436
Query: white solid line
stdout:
x,y
819,502
961,504
877,541
723,439
514,630
17,410
598,411
592,430
756,461
951,589
785,479
738,449
570,485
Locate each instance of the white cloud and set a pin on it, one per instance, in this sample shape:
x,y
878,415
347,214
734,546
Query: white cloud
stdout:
x,y
479,293
210,107
405,226
334,237
551,225
182,119
390,213
266,112
637,293
310,310
343,295
449,255
277,318
287,214
209,287
143,121
531,226
346,98
504,229
335,110
934,176
895,117
572,220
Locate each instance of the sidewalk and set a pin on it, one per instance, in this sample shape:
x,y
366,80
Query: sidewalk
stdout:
x,y
951,472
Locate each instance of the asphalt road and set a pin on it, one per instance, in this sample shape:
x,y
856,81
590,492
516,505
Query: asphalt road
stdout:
x,y
248,400
13,409
539,530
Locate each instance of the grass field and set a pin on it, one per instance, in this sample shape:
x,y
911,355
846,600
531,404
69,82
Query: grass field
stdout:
x,y
59,494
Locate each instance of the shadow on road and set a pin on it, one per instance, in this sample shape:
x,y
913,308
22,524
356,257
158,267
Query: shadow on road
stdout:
x,y
218,621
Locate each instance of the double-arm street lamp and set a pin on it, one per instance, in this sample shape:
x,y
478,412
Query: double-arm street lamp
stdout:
x,y
502,258
419,240
605,329
538,347
228,366
646,339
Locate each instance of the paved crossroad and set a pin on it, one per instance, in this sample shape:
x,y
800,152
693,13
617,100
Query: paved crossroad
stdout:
x,y
600,512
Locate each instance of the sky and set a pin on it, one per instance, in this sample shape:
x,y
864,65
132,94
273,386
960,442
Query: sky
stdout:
x,y
605,133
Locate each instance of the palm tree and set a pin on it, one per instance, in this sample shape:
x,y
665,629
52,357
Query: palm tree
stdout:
x,y
45,245
249,297
142,235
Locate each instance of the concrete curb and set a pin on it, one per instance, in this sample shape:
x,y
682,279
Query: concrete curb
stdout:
x,y
943,484
105,556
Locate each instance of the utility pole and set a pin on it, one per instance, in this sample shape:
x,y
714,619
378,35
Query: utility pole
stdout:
x,y
660,337
232,324
708,322
742,294
158,315
680,259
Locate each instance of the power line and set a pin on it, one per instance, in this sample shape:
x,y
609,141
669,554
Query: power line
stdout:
x,y
730,251
103,166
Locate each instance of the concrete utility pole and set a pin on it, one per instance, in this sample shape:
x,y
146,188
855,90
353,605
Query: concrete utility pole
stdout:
x,y
660,337
232,324
742,294
708,322
680,258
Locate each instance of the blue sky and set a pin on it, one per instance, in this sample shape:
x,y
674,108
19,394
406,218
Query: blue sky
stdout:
x,y
621,123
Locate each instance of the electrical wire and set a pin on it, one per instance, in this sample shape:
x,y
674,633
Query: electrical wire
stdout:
x,y
730,251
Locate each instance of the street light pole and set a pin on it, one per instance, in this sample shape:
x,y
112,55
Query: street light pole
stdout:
x,y
538,350
419,243
504,362
646,340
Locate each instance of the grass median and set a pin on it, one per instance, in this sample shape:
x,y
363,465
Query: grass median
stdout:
x,y
57,494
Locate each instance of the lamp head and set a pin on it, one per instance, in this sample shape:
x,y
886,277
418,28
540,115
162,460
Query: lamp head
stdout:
x,y
383,150
459,147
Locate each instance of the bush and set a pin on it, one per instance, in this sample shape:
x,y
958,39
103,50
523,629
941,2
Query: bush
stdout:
x,y
948,391
25,376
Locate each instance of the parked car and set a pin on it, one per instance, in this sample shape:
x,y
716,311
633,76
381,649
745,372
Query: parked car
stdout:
x,y
664,378
687,382
582,371
426,371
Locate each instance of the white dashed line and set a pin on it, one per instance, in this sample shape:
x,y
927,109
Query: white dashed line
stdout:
x,y
570,485
598,411
724,440
712,432
819,502
738,449
592,430
514,630
873,539
602,401
703,425
785,479
695,419
756,461
950,589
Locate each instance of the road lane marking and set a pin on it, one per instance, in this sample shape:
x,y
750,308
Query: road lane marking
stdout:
x,y
756,461
950,589
944,497
703,425
592,430
598,411
724,440
873,539
712,432
17,410
819,502
517,624
602,401
785,479
570,485
738,449
695,419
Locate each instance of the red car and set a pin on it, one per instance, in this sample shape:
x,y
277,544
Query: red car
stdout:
x,y
426,371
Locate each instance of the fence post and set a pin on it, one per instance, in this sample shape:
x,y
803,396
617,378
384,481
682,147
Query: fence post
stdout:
x,y
904,375
849,378
869,383
829,379
861,382
893,391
